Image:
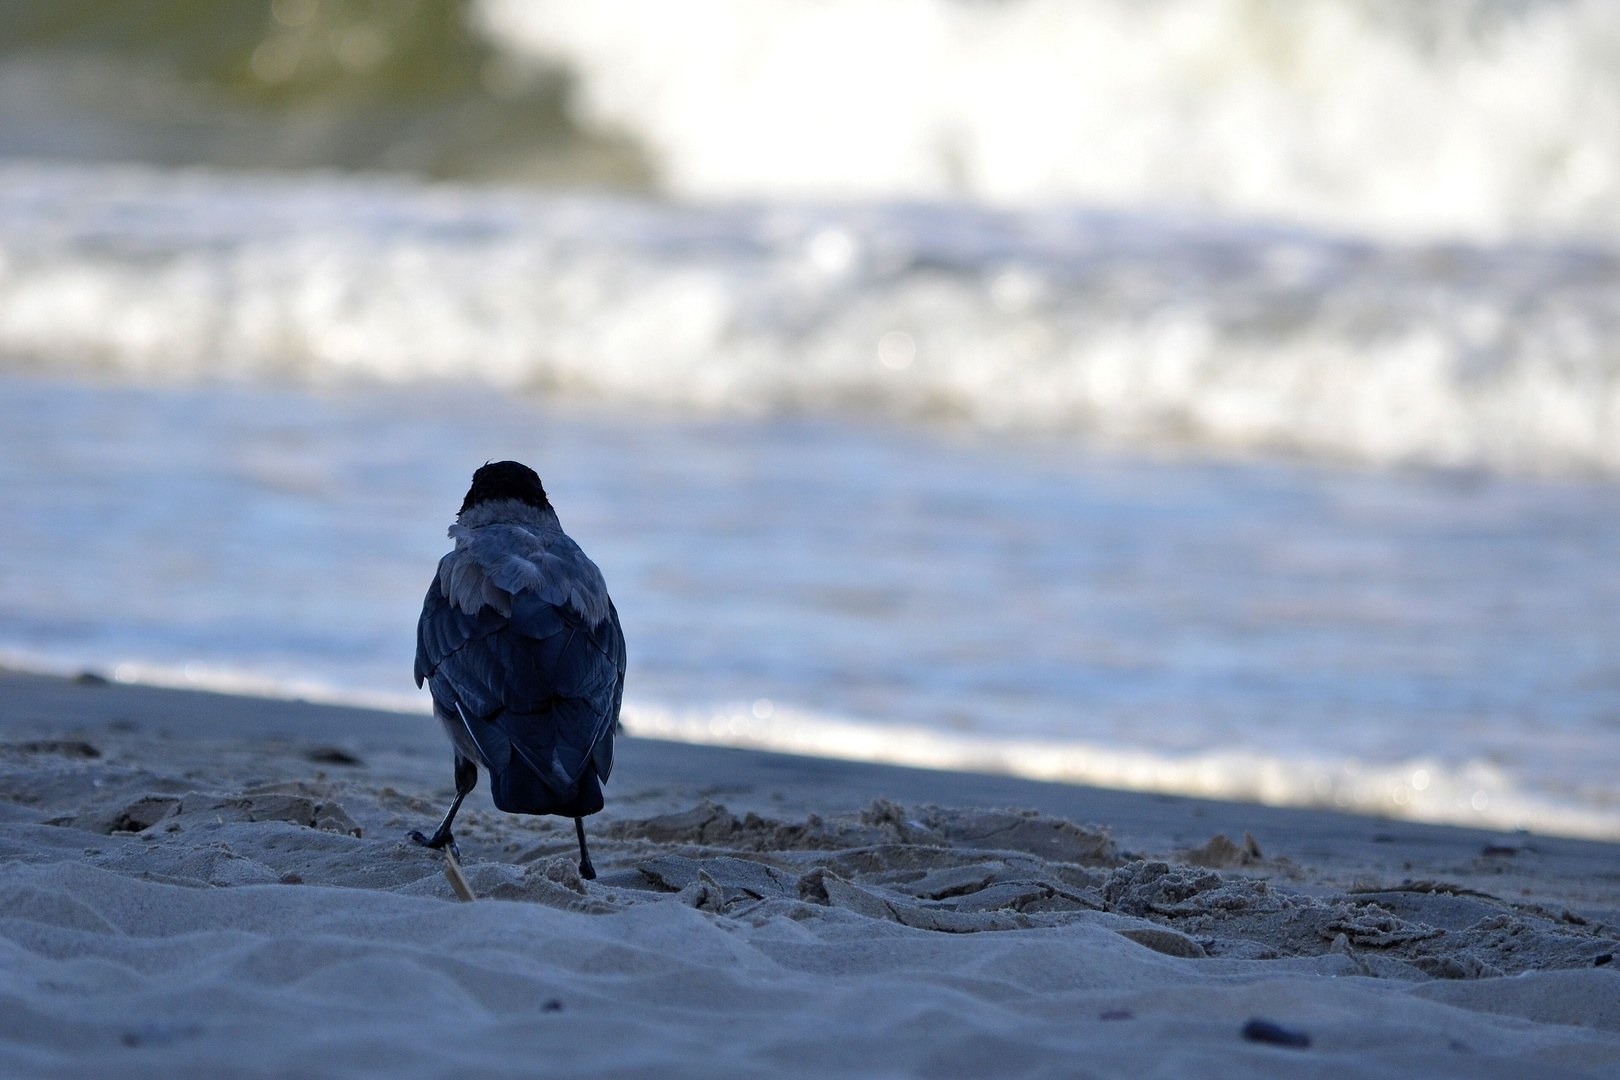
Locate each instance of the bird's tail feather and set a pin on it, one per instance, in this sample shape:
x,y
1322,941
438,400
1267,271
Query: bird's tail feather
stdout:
x,y
519,789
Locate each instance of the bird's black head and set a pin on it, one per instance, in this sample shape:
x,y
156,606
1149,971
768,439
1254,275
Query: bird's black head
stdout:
x,y
506,480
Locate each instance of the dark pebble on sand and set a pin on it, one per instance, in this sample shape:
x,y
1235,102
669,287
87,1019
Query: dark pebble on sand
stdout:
x,y
1116,1014
291,879
72,748
159,1034
552,1006
332,755
1606,958
1266,1032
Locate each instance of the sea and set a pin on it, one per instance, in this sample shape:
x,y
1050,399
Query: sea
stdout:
x,y
1208,398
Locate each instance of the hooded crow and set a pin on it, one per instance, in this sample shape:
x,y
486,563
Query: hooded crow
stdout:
x,y
521,648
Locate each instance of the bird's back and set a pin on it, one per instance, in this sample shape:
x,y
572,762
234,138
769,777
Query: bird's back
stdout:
x,y
521,648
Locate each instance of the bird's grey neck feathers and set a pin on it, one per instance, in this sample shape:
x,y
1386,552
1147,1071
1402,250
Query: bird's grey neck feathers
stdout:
x,y
507,512
505,547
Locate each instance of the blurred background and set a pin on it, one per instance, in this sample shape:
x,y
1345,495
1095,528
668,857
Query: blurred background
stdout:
x,y
1205,396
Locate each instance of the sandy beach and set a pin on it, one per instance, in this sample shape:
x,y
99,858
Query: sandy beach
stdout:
x,y
1111,509
201,885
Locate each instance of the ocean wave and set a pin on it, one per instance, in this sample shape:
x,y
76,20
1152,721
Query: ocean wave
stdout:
x,y
1457,118
1460,119
1146,330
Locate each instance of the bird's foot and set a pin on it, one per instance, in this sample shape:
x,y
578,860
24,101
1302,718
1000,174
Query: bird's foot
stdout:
x,y
586,870
438,840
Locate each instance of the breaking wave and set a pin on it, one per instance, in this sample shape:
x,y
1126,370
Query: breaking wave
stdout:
x,y
1460,118
1150,330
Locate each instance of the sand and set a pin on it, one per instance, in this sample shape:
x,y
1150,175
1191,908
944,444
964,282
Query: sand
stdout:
x,y
198,885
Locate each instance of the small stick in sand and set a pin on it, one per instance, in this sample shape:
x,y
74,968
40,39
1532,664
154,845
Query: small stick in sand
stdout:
x,y
452,874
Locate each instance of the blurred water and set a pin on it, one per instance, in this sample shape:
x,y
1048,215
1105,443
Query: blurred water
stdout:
x,y
1456,118
1143,329
1475,119
1289,633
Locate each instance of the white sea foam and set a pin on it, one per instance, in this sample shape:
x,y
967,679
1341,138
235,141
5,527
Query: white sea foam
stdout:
x,y
1469,118
1149,330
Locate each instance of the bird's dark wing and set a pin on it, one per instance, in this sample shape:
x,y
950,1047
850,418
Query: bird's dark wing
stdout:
x,y
538,690
609,638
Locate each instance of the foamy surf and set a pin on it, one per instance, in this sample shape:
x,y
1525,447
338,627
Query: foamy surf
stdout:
x,y
1142,330
1456,118
1459,119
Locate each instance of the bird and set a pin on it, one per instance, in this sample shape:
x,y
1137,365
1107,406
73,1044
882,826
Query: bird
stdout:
x,y
520,646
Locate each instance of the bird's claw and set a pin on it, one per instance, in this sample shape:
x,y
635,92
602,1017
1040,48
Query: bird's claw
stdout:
x,y
436,841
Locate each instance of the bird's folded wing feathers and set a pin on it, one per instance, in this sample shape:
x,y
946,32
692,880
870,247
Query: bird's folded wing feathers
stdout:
x,y
492,742
443,629
548,700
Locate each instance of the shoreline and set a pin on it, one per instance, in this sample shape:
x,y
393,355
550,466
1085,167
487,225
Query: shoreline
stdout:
x,y
796,734
1342,848
42,706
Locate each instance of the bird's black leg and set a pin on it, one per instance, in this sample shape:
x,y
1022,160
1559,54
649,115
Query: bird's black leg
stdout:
x,y
586,870
466,780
